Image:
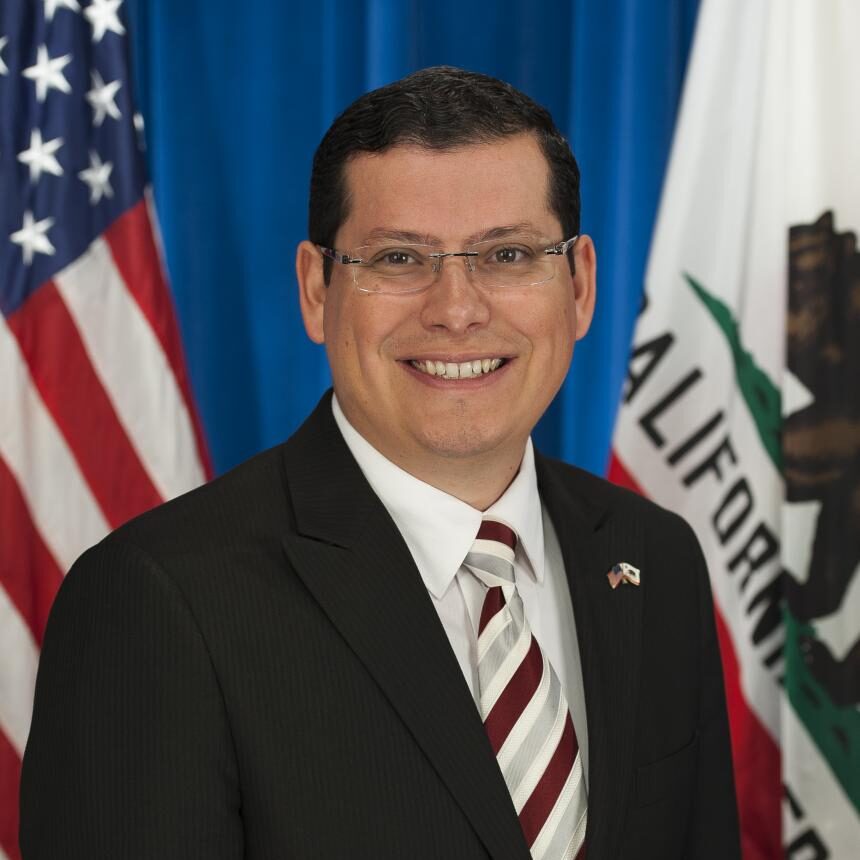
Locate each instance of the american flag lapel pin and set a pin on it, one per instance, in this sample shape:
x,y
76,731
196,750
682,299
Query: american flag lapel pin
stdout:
x,y
623,572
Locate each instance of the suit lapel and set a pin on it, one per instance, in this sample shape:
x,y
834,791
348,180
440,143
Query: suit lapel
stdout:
x,y
354,562
609,630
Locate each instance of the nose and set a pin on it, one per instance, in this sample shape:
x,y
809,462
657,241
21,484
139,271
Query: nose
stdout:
x,y
454,302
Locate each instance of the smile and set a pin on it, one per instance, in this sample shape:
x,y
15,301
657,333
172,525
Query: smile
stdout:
x,y
458,370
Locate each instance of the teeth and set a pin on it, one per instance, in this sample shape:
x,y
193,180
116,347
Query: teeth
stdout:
x,y
464,370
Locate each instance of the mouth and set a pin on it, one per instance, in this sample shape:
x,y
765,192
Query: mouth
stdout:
x,y
458,370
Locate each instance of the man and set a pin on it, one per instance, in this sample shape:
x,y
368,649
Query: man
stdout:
x,y
403,633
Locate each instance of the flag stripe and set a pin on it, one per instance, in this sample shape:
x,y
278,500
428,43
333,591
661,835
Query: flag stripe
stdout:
x,y
755,754
138,260
39,458
74,395
28,572
10,776
756,758
19,658
123,347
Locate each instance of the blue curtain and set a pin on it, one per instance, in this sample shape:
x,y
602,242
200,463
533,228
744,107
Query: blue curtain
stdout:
x,y
236,97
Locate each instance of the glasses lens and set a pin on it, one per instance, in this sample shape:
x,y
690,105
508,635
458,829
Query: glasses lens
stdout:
x,y
511,262
519,261
394,268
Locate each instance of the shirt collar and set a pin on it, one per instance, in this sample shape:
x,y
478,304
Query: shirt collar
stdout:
x,y
438,528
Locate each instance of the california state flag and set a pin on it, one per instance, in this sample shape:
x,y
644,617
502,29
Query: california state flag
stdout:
x,y
741,409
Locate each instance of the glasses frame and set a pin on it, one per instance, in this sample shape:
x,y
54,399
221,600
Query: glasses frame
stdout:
x,y
558,249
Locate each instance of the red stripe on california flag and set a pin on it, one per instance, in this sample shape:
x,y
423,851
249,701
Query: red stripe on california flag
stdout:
x,y
756,759
534,814
755,755
514,698
138,261
28,572
74,395
10,777
619,474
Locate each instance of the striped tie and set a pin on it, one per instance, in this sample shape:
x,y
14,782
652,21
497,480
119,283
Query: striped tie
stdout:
x,y
524,709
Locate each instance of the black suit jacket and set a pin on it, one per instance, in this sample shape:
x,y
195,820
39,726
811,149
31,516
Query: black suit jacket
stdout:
x,y
256,670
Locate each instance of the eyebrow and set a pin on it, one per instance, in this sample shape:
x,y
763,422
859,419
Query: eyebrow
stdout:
x,y
407,236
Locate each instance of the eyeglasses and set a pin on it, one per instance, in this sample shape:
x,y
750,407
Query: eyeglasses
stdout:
x,y
515,261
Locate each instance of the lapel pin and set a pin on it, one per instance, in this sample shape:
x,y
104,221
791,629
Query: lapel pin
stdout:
x,y
623,572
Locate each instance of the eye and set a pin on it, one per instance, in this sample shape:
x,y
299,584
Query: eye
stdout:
x,y
397,258
510,254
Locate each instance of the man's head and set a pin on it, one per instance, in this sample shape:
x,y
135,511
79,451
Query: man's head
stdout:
x,y
439,108
421,175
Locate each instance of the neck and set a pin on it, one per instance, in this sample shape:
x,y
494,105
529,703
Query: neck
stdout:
x,y
478,484
478,478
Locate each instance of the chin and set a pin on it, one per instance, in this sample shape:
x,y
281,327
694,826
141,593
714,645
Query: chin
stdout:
x,y
461,442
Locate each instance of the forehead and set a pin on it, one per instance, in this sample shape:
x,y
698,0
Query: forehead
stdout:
x,y
449,194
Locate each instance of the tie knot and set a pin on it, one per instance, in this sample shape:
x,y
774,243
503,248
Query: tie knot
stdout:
x,y
493,530
491,558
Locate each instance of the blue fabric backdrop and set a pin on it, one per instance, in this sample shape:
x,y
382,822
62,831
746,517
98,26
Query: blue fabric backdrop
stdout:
x,y
236,97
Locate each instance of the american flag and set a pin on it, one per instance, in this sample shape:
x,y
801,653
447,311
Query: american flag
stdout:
x,y
96,416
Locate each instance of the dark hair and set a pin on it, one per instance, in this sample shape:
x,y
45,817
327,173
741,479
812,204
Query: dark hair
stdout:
x,y
437,108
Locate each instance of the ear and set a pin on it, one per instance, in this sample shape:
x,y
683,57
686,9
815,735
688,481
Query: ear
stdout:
x,y
584,283
312,289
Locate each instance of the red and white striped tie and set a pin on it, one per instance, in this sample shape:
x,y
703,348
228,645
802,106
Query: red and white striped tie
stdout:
x,y
524,709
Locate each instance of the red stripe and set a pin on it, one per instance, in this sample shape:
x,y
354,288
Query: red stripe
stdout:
x,y
534,814
75,397
756,759
514,698
492,530
28,572
138,262
755,754
10,779
619,474
493,604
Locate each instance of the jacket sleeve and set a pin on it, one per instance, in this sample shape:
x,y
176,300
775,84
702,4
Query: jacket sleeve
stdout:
x,y
129,753
713,828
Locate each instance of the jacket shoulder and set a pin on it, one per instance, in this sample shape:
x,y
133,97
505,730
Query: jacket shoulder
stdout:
x,y
601,497
246,502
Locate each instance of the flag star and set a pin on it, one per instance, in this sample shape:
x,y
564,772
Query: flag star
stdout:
x,y
4,69
40,156
101,97
48,73
103,15
97,177
52,5
32,237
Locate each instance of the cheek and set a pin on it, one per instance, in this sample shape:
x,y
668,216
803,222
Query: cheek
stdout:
x,y
552,324
359,330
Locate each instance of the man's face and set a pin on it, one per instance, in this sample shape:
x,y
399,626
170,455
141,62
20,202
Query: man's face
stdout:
x,y
373,341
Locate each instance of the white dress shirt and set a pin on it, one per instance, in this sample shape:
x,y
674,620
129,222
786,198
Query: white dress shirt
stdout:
x,y
439,530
